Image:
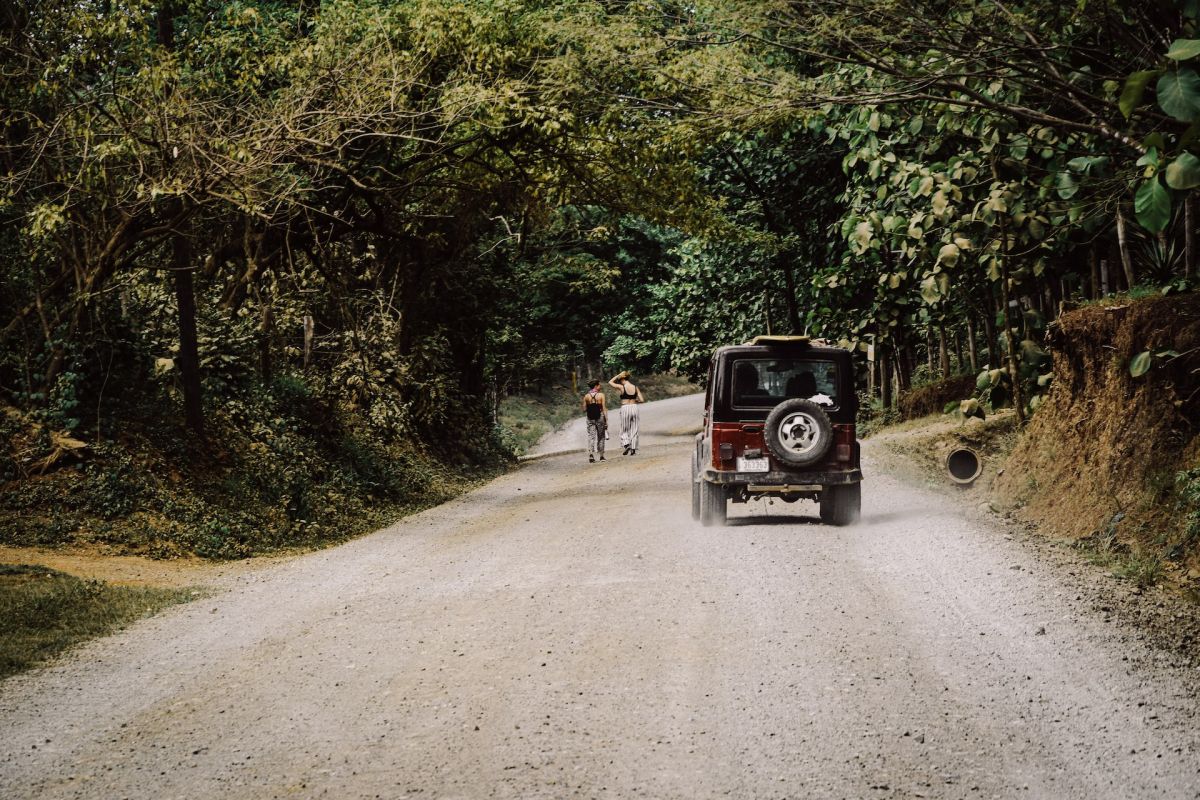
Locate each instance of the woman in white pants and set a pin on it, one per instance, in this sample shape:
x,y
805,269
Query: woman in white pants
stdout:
x,y
630,397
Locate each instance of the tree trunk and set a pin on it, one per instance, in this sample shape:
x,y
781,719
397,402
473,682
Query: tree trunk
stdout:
x,y
902,361
308,339
871,363
1189,235
971,353
929,349
1094,259
165,23
958,351
265,329
943,352
1013,371
189,352
1123,245
885,376
767,308
989,330
789,285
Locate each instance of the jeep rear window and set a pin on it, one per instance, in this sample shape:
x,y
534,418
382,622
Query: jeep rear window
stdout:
x,y
759,382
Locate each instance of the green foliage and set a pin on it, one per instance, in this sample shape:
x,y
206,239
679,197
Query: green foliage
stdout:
x,y
293,471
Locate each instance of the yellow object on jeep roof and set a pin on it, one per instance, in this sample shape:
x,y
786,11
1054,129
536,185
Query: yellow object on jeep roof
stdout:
x,y
780,340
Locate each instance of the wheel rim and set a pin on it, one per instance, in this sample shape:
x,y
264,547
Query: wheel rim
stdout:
x,y
799,433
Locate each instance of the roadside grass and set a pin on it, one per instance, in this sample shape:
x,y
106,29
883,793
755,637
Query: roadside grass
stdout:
x,y
1143,570
1127,556
663,386
44,612
528,417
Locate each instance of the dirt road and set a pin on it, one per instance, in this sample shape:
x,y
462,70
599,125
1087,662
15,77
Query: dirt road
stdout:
x,y
569,631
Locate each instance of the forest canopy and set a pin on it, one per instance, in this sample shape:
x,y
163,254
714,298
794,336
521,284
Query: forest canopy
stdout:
x,y
413,208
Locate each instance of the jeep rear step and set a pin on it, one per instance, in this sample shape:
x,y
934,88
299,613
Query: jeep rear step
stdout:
x,y
785,487
817,479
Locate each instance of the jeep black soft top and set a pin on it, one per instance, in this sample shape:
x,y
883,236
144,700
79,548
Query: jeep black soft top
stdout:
x,y
830,366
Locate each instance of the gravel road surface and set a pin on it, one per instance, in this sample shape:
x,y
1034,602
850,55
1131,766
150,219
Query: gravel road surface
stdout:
x,y
567,630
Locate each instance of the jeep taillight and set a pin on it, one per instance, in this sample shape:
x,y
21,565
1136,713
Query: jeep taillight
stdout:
x,y
843,450
726,445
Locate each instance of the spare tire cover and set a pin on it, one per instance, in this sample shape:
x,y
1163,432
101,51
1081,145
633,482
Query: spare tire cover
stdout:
x,y
798,432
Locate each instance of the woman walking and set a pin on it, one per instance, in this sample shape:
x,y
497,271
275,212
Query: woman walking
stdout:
x,y
597,420
630,397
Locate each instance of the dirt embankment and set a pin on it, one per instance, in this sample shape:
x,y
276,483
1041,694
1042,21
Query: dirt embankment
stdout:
x,y
1101,456
933,398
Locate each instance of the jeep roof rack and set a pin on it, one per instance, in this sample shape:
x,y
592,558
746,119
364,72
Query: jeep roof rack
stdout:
x,y
779,340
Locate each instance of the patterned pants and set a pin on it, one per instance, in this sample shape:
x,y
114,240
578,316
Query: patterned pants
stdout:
x,y
629,426
595,431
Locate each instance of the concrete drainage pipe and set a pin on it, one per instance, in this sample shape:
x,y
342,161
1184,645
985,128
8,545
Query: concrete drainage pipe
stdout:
x,y
963,465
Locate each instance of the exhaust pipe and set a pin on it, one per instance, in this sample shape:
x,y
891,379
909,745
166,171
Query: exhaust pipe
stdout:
x,y
963,465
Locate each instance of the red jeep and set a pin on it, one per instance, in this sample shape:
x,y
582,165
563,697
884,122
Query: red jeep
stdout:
x,y
779,421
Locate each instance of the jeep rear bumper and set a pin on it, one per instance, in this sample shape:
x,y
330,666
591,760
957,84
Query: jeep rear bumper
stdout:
x,y
783,479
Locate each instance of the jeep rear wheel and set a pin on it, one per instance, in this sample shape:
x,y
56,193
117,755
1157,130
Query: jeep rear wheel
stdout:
x,y
798,432
712,504
841,505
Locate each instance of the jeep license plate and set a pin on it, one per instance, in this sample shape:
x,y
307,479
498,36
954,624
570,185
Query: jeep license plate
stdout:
x,y
753,465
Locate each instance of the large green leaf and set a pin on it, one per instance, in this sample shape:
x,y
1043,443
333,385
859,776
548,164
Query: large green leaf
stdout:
x,y
1184,172
1179,94
929,290
971,408
948,254
1135,87
1152,204
1184,49
1066,185
1140,364
1032,354
1088,165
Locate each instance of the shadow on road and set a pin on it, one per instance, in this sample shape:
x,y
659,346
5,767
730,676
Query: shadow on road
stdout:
x,y
866,520
734,522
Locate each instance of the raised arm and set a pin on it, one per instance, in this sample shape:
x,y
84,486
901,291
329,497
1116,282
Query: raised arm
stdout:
x,y
615,381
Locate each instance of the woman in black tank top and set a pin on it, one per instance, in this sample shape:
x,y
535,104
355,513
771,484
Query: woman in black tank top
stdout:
x,y
594,406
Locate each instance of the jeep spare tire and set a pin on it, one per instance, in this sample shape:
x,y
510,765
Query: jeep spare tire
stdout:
x,y
798,432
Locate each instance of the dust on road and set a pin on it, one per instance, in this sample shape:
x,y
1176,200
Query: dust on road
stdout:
x,y
568,630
